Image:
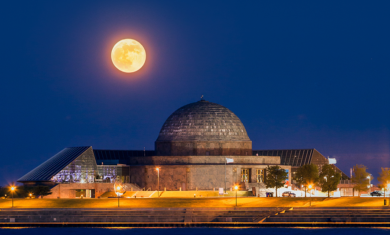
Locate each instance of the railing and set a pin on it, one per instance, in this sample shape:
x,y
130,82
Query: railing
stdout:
x,y
345,181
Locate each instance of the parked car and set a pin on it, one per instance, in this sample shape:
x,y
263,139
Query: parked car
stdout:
x,y
376,193
288,194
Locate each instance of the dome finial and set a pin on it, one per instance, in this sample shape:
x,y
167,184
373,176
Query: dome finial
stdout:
x,y
201,98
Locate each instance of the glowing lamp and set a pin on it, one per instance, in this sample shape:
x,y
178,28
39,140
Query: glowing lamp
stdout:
x,y
12,188
310,186
118,188
236,187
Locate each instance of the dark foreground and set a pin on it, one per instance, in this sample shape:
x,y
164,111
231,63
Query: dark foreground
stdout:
x,y
192,231
198,217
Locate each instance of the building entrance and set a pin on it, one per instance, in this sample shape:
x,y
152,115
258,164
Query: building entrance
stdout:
x,y
260,175
86,193
245,173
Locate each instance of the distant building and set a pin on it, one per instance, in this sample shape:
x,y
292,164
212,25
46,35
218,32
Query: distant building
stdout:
x,y
190,152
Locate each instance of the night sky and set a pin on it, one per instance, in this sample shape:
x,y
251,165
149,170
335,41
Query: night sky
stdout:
x,y
298,75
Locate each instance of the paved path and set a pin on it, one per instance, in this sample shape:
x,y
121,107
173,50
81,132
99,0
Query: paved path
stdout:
x,y
198,217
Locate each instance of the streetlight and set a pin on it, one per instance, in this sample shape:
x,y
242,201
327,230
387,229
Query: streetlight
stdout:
x,y
236,188
117,192
30,194
12,191
310,186
158,181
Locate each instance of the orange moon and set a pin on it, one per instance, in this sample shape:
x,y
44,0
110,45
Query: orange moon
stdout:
x,y
128,55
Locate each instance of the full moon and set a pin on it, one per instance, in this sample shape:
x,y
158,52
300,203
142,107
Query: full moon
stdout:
x,y
128,55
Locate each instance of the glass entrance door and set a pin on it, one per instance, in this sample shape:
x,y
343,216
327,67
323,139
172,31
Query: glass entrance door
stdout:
x,y
244,175
260,175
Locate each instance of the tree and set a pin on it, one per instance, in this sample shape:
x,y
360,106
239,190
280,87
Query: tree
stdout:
x,y
306,175
384,178
275,178
359,178
42,191
329,179
23,191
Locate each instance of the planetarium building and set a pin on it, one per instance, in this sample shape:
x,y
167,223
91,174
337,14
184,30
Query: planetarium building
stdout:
x,y
191,153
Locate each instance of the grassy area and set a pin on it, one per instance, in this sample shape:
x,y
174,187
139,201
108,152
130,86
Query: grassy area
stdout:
x,y
350,202
190,202
177,194
200,194
151,202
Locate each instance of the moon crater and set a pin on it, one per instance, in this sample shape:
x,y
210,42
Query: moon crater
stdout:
x,y
128,55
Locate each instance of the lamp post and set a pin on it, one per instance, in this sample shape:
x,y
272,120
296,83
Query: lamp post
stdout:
x,y
158,181
236,188
310,186
117,193
12,191
30,194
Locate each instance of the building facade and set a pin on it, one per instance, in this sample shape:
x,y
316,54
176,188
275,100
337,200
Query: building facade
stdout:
x,y
191,153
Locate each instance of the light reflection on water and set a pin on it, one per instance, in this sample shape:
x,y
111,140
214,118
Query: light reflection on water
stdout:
x,y
192,231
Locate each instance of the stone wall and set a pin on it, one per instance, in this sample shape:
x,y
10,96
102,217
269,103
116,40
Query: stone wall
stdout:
x,y
179,173
192,177
69,190
174,160
199,148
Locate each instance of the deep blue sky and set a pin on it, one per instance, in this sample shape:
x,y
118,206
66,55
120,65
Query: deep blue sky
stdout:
x,y
299,75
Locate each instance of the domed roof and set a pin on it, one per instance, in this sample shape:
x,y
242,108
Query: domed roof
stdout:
x,y
203,121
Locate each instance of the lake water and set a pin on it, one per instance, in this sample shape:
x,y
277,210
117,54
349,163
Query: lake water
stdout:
x,y
192,231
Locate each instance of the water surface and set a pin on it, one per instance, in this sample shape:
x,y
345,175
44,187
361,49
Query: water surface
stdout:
x,y
192,231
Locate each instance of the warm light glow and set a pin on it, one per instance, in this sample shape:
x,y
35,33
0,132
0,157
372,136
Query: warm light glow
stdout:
x,y
157,169
12,188
118,188
310,186
235,187
128,55
30,194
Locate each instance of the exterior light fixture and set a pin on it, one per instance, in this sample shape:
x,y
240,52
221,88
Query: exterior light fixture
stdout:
x,y
12,191
236,188
119,189
158,181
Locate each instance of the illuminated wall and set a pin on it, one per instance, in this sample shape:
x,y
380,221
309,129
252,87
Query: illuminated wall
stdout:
x,y
84,170
81,170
